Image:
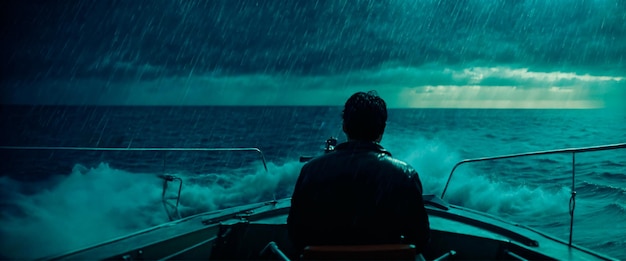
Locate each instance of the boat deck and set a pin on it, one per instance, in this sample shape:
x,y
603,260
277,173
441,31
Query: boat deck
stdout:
x,y
242,232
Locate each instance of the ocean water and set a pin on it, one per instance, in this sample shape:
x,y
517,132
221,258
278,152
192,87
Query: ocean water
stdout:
x,y
57,201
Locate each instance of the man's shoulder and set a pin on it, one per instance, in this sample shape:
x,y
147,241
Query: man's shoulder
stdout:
x,y
373,157
399,164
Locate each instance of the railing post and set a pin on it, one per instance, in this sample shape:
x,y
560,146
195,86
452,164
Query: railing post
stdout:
x,y
443,194
572,199
166,178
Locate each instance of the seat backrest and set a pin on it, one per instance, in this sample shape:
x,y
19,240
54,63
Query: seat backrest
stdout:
x,y
360,252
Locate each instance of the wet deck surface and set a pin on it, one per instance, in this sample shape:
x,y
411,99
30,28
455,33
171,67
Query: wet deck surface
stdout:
x,y
450,229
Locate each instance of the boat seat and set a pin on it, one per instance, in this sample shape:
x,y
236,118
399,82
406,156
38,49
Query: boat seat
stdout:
x,y
361,252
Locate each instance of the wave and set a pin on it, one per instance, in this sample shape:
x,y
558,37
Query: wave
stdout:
x,y
600,224
85,207
91,205
613,163
616,209
609,176
549,161
277,182
434,159
601,189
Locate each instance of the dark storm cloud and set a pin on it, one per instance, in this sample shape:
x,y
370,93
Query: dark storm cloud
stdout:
x,y
142,40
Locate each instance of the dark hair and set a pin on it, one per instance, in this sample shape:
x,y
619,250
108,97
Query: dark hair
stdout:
x,y
365,116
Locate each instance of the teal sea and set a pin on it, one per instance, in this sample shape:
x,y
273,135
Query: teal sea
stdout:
x,y
57,201
272,75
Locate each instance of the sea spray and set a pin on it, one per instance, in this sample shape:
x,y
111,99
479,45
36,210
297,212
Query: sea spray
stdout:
x,y
83,208
434,159
232,189
92,205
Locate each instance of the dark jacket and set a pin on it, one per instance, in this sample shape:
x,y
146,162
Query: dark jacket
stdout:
x,y
357,194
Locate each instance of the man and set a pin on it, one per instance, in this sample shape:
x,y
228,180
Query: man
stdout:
x,y
358,194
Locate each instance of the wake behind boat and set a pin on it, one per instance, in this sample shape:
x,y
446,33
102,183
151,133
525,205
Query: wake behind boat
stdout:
x,y
259,231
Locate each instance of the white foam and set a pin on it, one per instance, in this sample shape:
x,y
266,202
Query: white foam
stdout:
x,y
85,207
434,160
234,190
91,205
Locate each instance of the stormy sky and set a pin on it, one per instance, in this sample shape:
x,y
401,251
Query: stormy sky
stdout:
x,y
422,53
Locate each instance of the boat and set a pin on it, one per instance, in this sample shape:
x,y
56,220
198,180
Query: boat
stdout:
x,y
258,231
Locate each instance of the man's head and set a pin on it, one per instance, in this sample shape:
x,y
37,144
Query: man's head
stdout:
x,y
365,116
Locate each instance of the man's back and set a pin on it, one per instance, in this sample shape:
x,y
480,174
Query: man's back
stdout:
x,y
358,194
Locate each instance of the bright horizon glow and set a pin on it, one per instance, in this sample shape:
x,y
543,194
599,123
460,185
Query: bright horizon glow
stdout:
x,y
402,87
494,97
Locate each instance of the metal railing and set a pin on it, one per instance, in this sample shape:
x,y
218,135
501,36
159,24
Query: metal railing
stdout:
x,y
137,149
166,177
573,151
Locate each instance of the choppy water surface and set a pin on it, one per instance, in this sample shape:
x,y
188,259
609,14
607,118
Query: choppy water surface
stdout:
x,y
73,199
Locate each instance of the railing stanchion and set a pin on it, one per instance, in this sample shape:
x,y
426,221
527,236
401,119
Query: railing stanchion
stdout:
x,y
572,200
166,177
